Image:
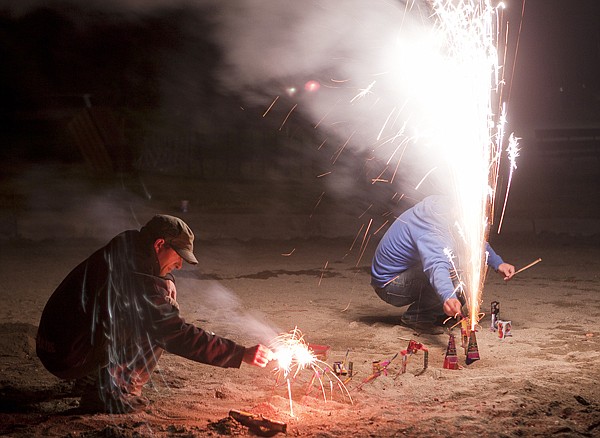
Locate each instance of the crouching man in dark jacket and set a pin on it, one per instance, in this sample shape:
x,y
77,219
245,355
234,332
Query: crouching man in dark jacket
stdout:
x,y
110,319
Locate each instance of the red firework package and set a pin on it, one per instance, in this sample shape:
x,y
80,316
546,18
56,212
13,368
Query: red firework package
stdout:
x,y
504,328
320,351
472,349
451,360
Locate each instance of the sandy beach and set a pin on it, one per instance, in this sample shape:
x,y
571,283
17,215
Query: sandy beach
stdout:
x,y
541,381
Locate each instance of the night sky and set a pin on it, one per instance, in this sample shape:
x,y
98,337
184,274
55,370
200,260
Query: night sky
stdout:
x,y
557,74
173,62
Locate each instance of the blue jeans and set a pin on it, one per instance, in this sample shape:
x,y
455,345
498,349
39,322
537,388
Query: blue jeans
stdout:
x,y
412,288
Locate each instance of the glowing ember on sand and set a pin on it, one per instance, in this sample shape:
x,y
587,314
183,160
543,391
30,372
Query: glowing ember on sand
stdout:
x,y
294,355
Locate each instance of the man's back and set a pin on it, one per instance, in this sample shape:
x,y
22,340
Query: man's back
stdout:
x,y
418,236
75,317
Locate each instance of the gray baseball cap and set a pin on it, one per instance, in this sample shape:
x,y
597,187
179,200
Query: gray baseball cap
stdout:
x,y
176,233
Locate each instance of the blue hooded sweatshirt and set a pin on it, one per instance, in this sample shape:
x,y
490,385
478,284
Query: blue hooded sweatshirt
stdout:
x,y
419,236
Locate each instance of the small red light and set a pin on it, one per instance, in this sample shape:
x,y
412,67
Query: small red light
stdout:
x,y
312,86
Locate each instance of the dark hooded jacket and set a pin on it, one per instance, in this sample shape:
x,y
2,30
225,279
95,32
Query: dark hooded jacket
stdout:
x,y
112,305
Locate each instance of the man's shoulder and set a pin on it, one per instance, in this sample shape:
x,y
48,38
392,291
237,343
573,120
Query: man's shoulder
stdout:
x,y
128,243
127,236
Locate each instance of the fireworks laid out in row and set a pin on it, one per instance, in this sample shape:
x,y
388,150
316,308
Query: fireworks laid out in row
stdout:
x,y
295,358
468,341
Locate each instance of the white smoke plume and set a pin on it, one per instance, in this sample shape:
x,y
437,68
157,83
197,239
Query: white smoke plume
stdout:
x,y
365,56
361,53
223,307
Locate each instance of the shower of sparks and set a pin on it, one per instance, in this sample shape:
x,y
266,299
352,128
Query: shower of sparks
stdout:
x,y
270,106
513,153
424,178
287,116
341,149
452,86
356,237
459,288
454,107
470,127
380,228
362,253
293,355
323,272
317,204
397,165
365,212
364,92
365,238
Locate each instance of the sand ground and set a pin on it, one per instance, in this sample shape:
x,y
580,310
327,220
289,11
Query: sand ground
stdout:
x,y
541,381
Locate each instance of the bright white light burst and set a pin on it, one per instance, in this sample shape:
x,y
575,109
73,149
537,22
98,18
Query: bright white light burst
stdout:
x,y
293,355
470,125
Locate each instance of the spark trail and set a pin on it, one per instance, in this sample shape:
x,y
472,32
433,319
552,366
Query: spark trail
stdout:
x,y
468,126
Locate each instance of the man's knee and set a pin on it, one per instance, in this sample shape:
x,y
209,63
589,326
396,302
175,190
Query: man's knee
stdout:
x,y
394,296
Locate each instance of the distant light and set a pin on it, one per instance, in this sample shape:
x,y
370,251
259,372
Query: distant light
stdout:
x,y
312,86
291,91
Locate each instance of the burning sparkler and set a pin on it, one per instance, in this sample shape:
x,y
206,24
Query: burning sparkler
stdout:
x,y
293,355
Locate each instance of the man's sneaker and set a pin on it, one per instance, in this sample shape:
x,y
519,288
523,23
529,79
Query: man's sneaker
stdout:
x,y
425,326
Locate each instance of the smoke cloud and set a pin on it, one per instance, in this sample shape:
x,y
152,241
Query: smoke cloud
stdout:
x,y
224,308
358,51
377,69
365,57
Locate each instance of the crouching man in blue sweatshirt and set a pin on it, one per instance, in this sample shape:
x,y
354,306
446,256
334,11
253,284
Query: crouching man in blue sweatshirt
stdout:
x,y
411,268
